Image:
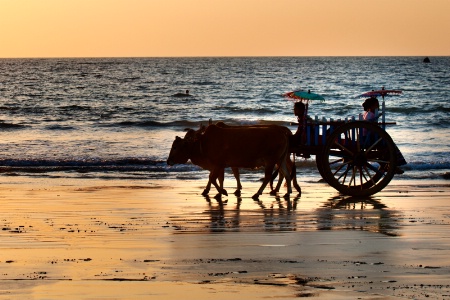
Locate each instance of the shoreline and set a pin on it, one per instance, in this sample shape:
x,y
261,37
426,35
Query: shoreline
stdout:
x,y
121,239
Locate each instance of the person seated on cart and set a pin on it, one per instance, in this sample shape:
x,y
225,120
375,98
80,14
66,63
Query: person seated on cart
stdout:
x,y
371,106
299,112
299,137
305,122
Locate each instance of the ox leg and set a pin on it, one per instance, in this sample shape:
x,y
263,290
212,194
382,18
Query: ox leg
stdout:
x,y
267,175
238,181
290,164
221,177
213,175
294,177
284,170
217,187
277,188
207,188
274,175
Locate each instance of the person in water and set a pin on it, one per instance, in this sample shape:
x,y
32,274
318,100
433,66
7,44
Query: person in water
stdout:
x,y
186,94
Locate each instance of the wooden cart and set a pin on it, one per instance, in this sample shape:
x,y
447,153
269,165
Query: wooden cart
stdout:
x,y
356,157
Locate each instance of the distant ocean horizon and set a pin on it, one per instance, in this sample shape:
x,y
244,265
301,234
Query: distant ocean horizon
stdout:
x,y
117,117
225,56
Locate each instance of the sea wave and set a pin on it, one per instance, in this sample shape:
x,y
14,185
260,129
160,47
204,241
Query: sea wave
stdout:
x,y
59,127
9,108
94,165
180,123
419,109
205,82
75,107
250,110
5,125
149,165
427,166
246,122
195,124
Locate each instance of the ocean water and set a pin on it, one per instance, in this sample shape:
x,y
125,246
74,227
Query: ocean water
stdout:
x,y
117,117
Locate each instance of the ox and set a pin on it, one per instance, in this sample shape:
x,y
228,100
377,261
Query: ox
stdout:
x,y
240,147
290,163
201,161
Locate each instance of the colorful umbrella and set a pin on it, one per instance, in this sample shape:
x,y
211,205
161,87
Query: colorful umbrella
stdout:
x,y
303,95
379,93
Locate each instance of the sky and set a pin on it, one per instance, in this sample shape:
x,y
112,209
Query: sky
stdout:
x,y
192,28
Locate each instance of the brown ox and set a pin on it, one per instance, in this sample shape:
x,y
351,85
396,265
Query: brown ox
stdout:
x,y
240,147
201,161
289,163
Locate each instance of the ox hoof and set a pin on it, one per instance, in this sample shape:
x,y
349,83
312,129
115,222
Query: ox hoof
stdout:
x,y
273,193
218,197
224,192
255,197
237,193
205,192
286,196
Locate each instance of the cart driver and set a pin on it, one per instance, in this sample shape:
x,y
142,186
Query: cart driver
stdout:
x,y
300,112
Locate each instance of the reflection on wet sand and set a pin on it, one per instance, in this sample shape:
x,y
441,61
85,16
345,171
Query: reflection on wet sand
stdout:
x,y
223,216
100,239
218,221
281,215
336,213
358,213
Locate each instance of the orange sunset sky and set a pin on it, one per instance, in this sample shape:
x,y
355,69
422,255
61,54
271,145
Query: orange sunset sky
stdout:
x,y
155,28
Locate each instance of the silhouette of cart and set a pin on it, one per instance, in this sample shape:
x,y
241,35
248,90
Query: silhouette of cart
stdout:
x,y
356,157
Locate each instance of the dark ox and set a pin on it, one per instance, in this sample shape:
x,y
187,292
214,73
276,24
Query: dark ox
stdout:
x,y
239,147
289,163
201,161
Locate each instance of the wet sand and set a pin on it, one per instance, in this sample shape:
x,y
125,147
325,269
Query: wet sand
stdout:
x,y
106,239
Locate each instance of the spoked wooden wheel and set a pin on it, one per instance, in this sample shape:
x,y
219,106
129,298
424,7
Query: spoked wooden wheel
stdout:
x,y
359,159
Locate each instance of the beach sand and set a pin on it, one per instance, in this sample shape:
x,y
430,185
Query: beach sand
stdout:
x,y
160,239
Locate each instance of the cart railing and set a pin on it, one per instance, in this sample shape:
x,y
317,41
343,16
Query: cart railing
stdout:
x,y
318,129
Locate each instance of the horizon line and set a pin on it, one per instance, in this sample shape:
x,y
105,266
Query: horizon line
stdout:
x,y
217,56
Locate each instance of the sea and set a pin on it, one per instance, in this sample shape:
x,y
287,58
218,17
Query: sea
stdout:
x,y
116,118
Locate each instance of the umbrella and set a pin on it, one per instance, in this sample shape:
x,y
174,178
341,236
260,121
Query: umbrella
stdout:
x,y
303,95
379,93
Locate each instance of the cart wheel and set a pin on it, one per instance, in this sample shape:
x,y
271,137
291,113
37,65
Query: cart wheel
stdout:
x,y
357,164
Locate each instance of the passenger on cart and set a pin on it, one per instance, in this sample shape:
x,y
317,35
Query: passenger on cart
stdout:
x,y
371,106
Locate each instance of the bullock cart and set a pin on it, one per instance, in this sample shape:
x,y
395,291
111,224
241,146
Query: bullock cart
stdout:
x,y
356,157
